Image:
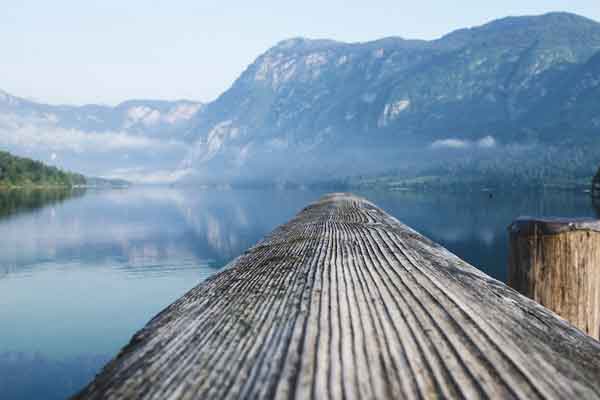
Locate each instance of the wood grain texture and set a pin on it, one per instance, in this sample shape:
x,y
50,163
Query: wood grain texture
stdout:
x,y
345,302
557,263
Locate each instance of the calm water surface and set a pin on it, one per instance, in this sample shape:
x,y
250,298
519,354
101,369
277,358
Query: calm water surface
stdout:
x,y
81,272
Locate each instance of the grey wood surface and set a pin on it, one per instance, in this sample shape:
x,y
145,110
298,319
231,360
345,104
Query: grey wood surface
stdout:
x,y
345,302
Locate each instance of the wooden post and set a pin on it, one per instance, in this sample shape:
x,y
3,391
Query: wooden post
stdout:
x,y
345,302
556,262
596,185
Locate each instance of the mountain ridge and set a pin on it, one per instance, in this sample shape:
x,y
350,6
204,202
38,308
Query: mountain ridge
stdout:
x,y
468,85
312,110
140,140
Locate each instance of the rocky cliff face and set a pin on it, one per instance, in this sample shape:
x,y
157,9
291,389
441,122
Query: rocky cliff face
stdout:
x,y
317,107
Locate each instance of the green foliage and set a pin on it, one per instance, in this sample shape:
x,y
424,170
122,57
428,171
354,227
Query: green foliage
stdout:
x,y
24,172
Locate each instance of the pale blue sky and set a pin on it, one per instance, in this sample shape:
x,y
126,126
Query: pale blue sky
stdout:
x,y
73,51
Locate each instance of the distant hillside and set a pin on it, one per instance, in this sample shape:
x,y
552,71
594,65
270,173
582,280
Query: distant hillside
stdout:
x,y
138,139
24,172
96,182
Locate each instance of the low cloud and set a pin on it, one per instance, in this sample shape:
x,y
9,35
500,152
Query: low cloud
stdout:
x,y
34,132
145,175
90,152
486,142
450,144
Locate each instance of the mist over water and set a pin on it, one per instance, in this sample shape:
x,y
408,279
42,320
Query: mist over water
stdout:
x,y
81,272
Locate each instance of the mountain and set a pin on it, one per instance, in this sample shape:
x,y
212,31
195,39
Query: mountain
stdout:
x,y
24,172
505,96
138,139
165,119
514,100
574,103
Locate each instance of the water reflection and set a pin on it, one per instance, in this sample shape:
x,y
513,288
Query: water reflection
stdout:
x,y
14,201
79,276
29,375
145,226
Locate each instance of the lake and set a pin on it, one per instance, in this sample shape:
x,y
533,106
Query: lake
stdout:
x,y
81,271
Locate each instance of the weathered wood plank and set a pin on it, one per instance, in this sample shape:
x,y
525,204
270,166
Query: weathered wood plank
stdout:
x,y
346,302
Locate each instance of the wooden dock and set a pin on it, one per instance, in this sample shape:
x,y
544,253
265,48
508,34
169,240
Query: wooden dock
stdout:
x,y
345,302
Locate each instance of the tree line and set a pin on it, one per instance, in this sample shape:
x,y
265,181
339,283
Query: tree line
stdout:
x,y
25,172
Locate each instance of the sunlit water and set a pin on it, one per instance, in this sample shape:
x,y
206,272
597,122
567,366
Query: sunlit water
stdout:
x,y
80,274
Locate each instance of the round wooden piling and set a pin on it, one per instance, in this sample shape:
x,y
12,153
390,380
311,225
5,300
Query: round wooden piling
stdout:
x,y
556,262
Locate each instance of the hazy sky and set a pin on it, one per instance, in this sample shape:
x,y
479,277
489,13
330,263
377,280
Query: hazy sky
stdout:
x,y
73,51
